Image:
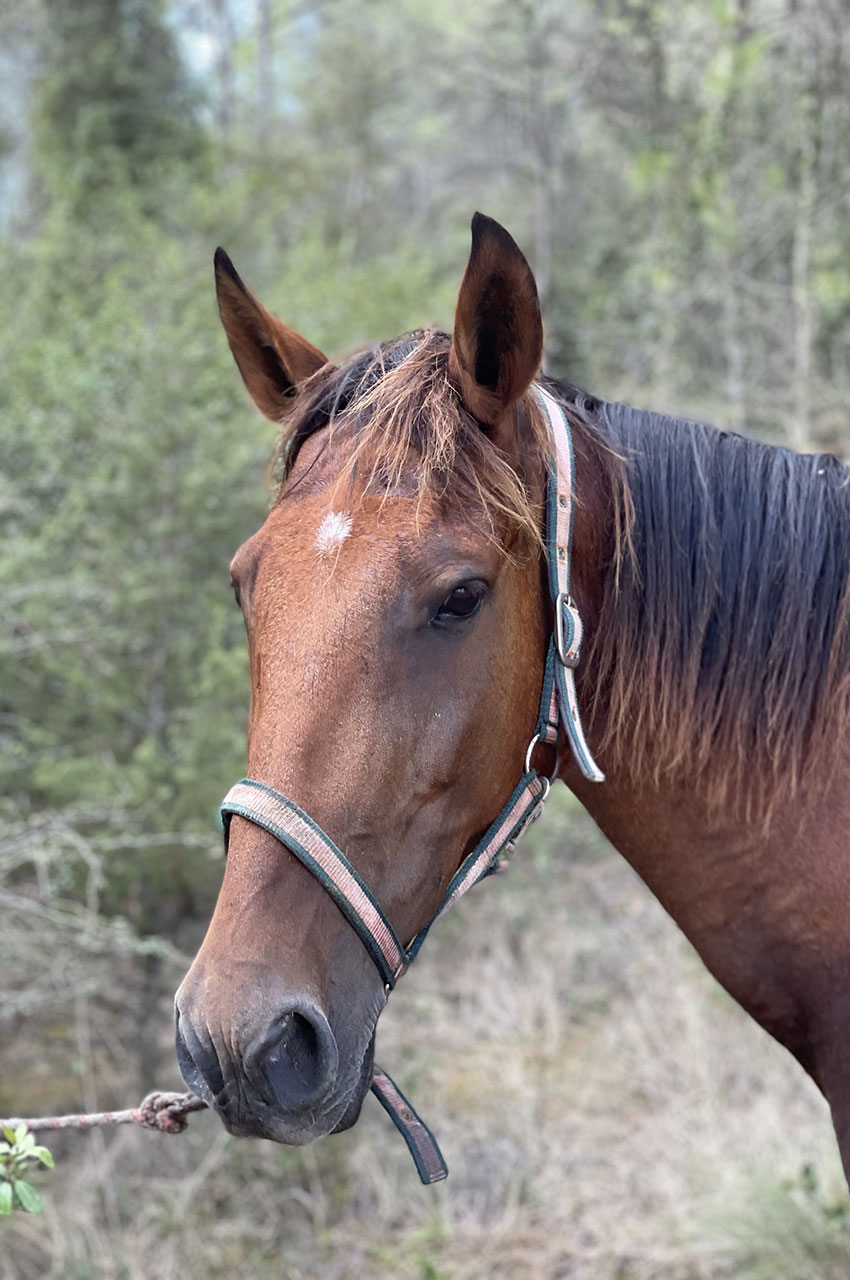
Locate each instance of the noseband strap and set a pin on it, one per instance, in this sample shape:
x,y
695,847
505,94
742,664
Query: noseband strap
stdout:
x,y
267,808
277,814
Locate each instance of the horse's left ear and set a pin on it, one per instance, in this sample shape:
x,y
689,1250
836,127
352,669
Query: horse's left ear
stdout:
x,y
497,344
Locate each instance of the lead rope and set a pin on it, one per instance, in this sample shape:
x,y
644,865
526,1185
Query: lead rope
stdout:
x,y
294,828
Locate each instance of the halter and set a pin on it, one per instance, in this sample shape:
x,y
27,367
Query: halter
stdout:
x,y
296,830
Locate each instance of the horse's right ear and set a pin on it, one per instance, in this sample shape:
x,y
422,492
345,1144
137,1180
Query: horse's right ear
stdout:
x,y
272,358
497,342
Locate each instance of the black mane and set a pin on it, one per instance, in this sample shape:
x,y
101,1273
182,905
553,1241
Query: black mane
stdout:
x,y
726,639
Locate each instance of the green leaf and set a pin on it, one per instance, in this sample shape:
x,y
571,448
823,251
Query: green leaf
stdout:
x,y
5,1199
9,1133
27,1196
20,1133
44,1155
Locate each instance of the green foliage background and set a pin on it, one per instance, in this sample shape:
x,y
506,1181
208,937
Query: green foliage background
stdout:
x,y
678,174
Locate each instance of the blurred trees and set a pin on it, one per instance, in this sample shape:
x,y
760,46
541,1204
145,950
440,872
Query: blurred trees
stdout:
x,y
126,484
678,173
113,107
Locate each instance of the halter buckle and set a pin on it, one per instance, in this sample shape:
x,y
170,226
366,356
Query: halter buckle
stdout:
x,y
568,630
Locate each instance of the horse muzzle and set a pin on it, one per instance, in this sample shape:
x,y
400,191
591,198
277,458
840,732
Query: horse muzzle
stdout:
x,y
280,1082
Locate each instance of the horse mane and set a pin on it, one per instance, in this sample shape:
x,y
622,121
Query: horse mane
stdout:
x,y
394,403
722,651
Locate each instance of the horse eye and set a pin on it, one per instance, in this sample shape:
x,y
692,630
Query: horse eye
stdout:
x,y
235,586
463,602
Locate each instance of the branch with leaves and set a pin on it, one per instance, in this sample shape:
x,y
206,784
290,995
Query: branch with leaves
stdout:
x,y
19,1155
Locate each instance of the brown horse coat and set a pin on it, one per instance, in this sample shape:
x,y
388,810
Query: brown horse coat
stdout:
x,y
397,621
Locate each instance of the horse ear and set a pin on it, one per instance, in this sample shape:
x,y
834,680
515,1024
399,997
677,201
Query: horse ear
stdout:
x,y
272,358
497,343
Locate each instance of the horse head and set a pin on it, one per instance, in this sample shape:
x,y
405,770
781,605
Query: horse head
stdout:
x,y
397,624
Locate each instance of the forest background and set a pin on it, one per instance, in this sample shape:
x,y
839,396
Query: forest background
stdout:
x,y
679,175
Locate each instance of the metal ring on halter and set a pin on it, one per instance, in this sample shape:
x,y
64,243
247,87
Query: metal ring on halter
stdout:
x,y
553,775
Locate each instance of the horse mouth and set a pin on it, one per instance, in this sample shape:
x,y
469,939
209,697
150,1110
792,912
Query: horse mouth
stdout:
x,y
352,1111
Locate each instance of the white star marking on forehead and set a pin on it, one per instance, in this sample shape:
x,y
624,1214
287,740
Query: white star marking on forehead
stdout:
x,y
334,529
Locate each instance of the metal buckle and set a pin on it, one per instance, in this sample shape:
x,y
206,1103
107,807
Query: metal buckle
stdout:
x,y
568,647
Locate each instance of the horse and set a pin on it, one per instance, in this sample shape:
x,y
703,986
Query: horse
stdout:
x,y
401,623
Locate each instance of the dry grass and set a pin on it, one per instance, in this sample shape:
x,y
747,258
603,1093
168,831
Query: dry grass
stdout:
x,y
606,1111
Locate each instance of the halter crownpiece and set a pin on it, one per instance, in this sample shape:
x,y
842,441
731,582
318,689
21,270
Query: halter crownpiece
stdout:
x,y
294,828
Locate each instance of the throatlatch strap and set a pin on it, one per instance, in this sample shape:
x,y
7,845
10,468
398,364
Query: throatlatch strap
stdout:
x,y
524,805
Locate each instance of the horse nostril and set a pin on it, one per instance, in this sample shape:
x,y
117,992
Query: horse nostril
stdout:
x,y
198,1063
299,1039
296,1059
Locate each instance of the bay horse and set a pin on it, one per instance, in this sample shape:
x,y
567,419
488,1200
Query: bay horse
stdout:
x,y
400,621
